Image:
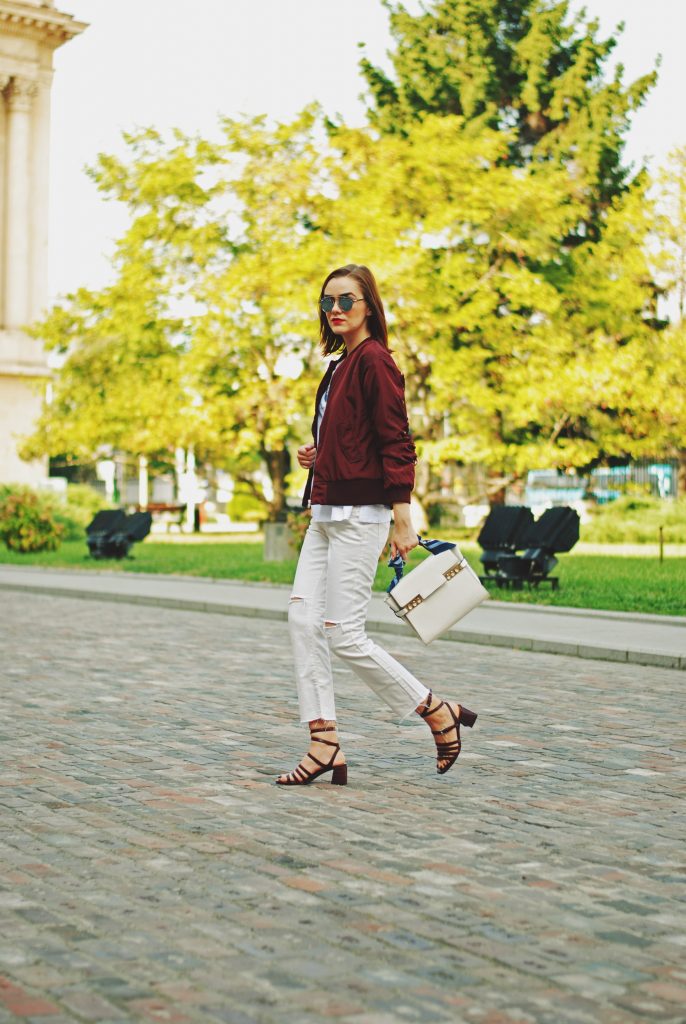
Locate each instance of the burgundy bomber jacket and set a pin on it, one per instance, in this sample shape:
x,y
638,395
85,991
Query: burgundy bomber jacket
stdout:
x,y
365,454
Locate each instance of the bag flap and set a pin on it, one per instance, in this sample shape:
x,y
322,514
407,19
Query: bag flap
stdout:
x,y
425,578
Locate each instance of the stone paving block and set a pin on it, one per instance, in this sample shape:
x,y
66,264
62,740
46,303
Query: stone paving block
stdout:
x,y
89,1006
149,865
226,1015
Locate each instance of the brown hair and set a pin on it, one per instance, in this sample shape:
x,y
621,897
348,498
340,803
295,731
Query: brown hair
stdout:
x,y
331,342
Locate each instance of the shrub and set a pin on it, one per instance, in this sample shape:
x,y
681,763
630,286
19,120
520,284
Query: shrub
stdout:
x,y
77,508
636,520
27,520
246,508
298,523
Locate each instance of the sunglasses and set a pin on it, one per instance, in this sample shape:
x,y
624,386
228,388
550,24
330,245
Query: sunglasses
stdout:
x,y
345,303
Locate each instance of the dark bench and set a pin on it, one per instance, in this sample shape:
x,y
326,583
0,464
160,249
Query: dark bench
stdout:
x,y
112,533
502,534
526,551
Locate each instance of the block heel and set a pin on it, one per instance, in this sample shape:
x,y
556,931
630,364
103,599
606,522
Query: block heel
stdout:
x,y
302,776
447,750
467,717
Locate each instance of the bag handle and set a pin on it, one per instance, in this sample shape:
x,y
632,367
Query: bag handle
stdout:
x,y
398,563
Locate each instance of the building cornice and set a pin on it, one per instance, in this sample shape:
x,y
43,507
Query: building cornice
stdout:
x,y
27,371
41,23
22,356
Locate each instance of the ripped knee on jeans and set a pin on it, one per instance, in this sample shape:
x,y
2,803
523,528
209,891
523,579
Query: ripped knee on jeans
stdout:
x,y
297,607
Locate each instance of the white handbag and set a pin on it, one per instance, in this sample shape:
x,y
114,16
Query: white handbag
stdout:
x,y
437,593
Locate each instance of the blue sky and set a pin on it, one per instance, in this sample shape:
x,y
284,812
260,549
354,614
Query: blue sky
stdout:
x,y
182,63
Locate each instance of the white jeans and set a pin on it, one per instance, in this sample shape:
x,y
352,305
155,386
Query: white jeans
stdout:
x,y
333,584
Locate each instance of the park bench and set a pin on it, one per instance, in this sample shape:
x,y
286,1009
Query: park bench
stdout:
x,y
522,550
502,534
166,514
112,533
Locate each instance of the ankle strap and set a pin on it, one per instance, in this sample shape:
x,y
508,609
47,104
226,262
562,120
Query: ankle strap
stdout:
x,y
427,705
324,728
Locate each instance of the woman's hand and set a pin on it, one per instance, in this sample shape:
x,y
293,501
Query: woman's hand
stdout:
x,y
404,535
306,455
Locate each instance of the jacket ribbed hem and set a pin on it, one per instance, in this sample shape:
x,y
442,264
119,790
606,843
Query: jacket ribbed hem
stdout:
x,y
356,492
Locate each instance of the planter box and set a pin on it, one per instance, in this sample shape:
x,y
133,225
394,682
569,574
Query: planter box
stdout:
x,y
279,543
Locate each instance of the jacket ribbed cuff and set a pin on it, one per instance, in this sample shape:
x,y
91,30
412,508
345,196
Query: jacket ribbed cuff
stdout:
x,y
399,494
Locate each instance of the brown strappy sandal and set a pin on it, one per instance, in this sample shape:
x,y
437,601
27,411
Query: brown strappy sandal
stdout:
x,y
451,748
302,776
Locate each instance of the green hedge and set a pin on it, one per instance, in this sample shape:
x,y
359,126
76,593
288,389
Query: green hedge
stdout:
x,y
37,520
245,508
634,520
27,520
77,508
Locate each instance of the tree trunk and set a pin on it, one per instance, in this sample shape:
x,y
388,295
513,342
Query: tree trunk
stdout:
x,y
143,483
681,474
192,525
422,479
496,489
278,466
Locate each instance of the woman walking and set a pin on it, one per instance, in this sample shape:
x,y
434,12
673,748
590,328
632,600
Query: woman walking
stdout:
x,y
361,465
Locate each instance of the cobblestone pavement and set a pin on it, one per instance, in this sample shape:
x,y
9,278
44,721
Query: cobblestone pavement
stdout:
x,y
150,870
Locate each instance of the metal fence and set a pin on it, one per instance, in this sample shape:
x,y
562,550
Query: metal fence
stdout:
x,y
645,476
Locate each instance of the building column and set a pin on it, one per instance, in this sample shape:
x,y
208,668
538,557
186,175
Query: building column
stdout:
x,y
4,82
20,96
40,189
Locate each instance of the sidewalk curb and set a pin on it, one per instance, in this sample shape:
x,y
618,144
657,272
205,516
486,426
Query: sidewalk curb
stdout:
x,y
494,604
656,659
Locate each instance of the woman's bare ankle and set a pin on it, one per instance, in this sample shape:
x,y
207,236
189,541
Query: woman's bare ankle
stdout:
x,y
324,732
426,703
322,723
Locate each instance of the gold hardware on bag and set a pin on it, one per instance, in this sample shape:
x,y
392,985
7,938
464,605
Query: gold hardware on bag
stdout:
x,y
442,606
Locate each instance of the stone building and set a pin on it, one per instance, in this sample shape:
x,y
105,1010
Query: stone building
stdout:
x,y
30,32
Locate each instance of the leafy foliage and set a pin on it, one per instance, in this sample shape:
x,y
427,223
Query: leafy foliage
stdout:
x,y
76,509
255,354
519,353
547,356
207,337
489,194
637,520
524,66
298,524
27,520
672,226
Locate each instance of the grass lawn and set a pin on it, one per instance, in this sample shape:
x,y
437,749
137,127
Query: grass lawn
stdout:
x,y
614,582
